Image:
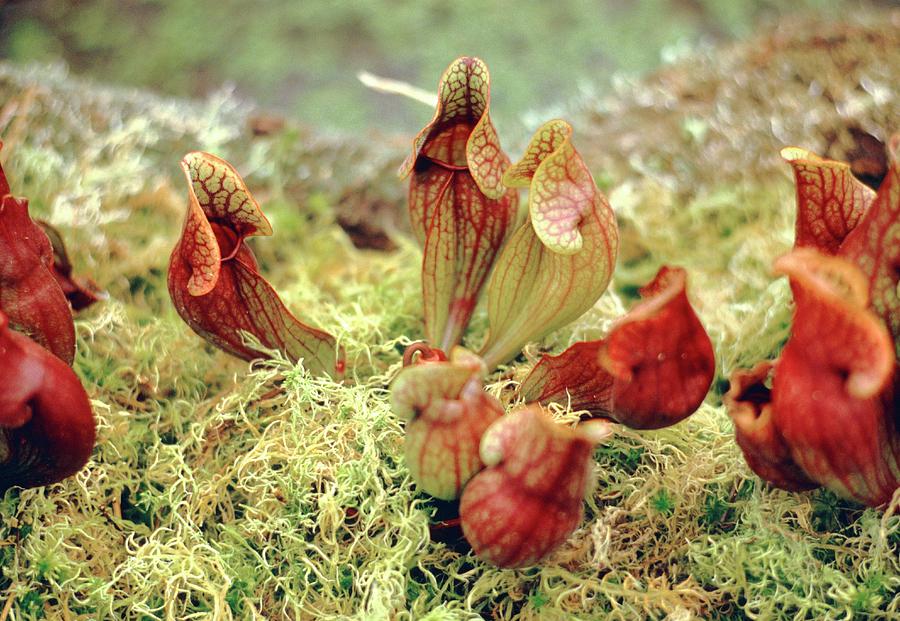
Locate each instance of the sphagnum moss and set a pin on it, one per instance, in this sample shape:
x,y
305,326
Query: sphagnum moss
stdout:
x,y
222,490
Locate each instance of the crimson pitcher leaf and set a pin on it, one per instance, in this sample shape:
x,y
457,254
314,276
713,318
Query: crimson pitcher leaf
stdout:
x,y
29,293
651,371
832,387
874,246
529,498
47,429
214,279
749,402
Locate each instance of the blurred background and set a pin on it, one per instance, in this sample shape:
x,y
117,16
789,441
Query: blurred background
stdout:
x,y
301,58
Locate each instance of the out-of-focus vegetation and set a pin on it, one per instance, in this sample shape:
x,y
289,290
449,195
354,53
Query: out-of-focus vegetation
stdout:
x,y
302,57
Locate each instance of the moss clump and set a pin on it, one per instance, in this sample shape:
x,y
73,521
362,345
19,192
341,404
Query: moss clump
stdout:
x,y
223,490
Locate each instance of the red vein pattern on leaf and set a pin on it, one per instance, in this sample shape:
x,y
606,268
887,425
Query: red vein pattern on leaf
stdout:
x,y
833,388
528,499
653,369
573,377
214,279
47,429
561,188
538,287
874,246
830,200
29,293
447,412
459,210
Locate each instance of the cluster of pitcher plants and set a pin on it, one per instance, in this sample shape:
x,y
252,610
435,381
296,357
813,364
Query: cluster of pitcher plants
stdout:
x,y
521,477
47,428
823,414
826,411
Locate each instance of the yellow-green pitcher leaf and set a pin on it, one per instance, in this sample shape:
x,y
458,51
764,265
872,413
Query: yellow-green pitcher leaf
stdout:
x,y
538,287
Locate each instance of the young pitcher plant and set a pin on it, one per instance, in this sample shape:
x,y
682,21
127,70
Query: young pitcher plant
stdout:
x,y
825,412
460,211
214,279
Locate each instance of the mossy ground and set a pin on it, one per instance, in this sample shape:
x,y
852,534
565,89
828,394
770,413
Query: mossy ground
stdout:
x,y
220,489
